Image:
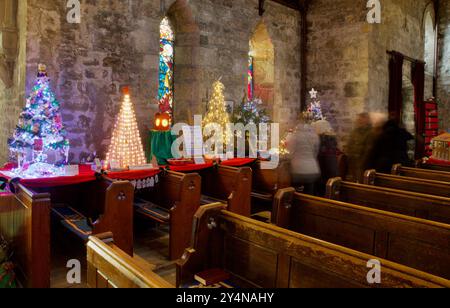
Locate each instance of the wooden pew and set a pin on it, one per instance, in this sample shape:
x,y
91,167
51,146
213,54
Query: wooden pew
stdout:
x,y
262,255
25,221
413,204
423,165
430,187
174,202
95,208
266,182
402,239
110,267
230,185
421,173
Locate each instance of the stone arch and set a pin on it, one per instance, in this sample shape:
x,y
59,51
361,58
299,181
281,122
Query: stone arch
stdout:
x,y
262,50
187,101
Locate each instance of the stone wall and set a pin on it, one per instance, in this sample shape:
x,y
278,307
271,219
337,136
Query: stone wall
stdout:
x,y
347,59
443,85
117,44
338,60
12,98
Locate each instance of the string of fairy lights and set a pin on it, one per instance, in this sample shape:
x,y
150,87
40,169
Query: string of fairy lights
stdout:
x,y
126,144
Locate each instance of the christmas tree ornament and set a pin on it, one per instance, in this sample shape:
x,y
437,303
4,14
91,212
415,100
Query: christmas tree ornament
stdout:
x,y
314,111
39,141
126,147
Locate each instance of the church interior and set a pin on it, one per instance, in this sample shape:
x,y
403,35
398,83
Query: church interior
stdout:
x,y
224,144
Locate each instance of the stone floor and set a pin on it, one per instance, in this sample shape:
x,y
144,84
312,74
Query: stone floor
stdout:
x,y
151,244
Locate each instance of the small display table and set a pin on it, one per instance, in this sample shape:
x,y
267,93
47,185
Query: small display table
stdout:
x,y
160,145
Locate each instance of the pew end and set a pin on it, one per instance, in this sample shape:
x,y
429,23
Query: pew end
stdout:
x,y
111,267
333,188
282,204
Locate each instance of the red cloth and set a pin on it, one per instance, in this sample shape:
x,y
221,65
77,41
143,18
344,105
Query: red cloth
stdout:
x,y
433,161
86,175
133,175
238,162
191,167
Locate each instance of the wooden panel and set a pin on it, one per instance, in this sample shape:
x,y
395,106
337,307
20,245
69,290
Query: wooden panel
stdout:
x,y
408,203
418,254
299,260
109,266
306,276
437,188
421,173
25,221
372,231
245,260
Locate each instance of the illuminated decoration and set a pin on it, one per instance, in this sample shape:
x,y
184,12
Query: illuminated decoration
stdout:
x,y
217,110
251,77
126,147
314,111
166,63
40,137
251,112
162,122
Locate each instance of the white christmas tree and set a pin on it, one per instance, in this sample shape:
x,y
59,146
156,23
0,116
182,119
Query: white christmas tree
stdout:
x,y
126,147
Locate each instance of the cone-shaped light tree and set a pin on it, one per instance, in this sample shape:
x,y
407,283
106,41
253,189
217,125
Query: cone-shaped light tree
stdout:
x,y
217,111
126,145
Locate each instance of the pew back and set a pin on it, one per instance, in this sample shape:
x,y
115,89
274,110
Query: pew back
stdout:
x,y
270,180
402,202
421,173
180,194
25,221
424,165
262,255
430,187
110,267
231,184
402,239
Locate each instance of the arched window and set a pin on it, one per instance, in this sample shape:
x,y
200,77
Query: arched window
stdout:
x,y
166,63
261,80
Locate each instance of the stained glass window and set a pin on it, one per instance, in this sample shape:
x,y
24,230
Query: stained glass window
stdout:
x,y
166,56
250,78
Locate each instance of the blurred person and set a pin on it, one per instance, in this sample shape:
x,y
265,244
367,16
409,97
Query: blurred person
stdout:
x,y
359,146
328,153
303,145
390,148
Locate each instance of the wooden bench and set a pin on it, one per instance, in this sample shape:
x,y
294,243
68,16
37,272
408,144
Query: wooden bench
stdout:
x,y
398,201
398,238
262,255
423,165
173,202
25,222
97,207
421,173
266,182
111,267
430,187
229,185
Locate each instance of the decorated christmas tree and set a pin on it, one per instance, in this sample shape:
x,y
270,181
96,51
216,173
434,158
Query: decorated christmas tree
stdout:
x,y
217,111
251,112
314,111
126,147
40,136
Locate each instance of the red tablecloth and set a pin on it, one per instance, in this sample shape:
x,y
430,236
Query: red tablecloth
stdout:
x,y
133,175
190,167
238,162
85,175
433,161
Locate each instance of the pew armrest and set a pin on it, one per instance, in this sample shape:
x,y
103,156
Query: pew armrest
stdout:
x,y
282,205
333,189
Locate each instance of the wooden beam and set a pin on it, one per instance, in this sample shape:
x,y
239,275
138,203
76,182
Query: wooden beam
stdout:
x,y
261,7
293,4
303,52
